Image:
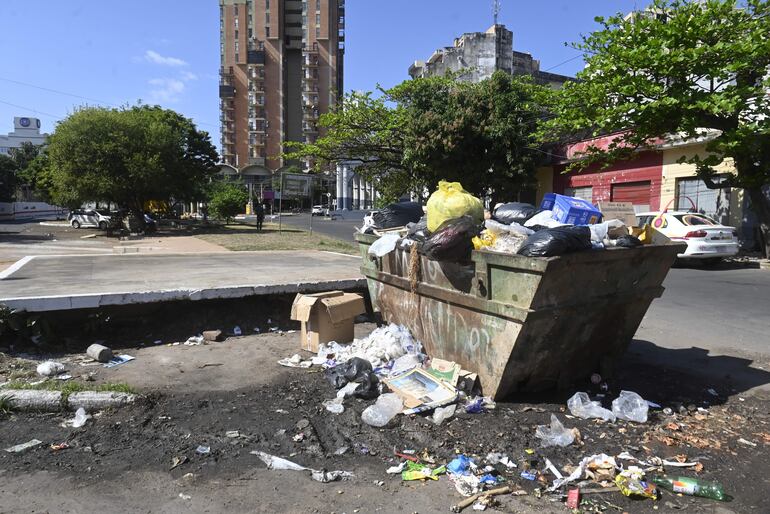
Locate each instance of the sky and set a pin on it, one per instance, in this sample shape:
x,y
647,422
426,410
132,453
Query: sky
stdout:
x,y
60,54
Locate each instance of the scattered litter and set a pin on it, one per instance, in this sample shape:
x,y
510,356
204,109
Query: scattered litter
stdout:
x,y
479,404
24,446
59,447
555,434
631,483
298,438
178,461
417,471
550,467
278,463
50,368
63,377
712,392
203,450
394,470
467,485
237,331
630,406
385,409
484,497
118,360
746,442
194,341
692,487
232,433
212,335
494,458
79,420
342,450
157,341
598,467
421,391
580,405
380,347
295,361
185,496
529,475
334,406
442,414
573,499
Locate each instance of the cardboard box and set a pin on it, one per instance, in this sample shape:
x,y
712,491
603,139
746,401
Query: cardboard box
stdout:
x,y
575,211
326,317
623,211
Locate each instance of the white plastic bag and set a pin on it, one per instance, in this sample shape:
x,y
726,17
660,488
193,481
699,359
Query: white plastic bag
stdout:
x,y
599,231
544,219
384,245
580,405
50,368
442,414
498,228
554,435
630,406
386,408
80,418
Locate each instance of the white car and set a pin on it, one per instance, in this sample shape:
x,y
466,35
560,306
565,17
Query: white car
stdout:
x,y
89,218
319,210
705,238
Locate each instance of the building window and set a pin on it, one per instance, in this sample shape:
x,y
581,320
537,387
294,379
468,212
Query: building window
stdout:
x,y
236,23
317,19
237,47
267,5
235,10
317,31
251,33
237,58
267,18
251,19
236,34
267,31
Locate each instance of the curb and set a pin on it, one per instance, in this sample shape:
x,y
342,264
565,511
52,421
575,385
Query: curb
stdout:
x,y
52,401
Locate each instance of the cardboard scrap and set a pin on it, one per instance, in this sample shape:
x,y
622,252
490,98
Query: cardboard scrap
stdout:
x,y
420,391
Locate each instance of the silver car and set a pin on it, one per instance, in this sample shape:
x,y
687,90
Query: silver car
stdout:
x,y
89,218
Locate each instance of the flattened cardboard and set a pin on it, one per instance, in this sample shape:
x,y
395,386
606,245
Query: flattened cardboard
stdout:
x,y
420,391
447,371
623,211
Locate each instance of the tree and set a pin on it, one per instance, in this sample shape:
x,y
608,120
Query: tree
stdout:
x,y
8,180
428,129
686,68
227,200
128,156
24,155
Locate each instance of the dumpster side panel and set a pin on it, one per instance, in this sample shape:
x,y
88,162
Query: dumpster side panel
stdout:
x,y
479,342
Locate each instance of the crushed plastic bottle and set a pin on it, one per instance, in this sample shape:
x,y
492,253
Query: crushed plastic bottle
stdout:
x,y
554,435
442,414
385,409
580,405
630,406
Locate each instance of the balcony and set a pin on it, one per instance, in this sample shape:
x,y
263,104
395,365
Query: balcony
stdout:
x,y
226,91
259,161
255,57
309,128
228,106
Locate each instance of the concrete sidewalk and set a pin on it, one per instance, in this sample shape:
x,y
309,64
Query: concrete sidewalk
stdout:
x,y
48,283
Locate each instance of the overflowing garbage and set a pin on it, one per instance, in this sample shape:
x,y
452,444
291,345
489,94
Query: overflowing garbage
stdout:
x,y
454,226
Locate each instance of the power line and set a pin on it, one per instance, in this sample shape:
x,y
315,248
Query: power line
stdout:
x,y
564,62
32,110
51,90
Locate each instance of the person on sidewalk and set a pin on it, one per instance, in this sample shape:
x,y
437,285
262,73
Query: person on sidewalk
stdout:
x,y
259,210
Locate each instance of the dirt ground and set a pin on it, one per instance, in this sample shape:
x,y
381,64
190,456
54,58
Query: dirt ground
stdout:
x,y
194,395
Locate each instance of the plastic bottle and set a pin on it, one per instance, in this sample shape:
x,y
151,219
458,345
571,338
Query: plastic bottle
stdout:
x,y
691,487
386,407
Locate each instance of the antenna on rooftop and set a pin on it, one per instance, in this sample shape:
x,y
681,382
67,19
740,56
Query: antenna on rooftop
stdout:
x,y
495,9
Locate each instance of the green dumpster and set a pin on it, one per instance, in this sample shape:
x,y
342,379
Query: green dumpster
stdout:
x,y
521,323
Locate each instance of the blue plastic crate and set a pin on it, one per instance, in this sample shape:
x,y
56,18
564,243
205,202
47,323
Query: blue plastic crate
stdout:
x,y
575,211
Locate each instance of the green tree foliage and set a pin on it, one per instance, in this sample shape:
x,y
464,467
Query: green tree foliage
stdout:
x,y
8,179
227,200
24,155
683,68
428,129
128,156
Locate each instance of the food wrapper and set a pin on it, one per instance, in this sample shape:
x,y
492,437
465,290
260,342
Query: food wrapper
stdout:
x,y
631,483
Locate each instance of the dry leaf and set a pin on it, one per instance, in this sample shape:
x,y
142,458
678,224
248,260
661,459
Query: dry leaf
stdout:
x,y
672,426
698,467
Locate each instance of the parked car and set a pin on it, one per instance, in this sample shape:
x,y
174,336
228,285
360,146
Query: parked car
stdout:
x,y
319,210
89,218
705,238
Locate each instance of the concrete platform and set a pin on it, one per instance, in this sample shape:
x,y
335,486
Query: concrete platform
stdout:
x,y
54,283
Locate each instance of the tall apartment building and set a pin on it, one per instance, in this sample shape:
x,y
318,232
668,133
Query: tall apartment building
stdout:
x,y
281,67
477,55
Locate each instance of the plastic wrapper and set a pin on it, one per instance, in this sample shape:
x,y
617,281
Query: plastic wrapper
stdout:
x,y
397,215
484,240
609,229
631,482
418,231
630,406
543,219
451,201
381,346
50,368
355,370
557,241
384,245
442,414
416,471
452,241
386,408
555,434
580,405
497,228
513,212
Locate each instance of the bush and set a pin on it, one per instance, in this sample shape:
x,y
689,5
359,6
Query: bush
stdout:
x,y
227,200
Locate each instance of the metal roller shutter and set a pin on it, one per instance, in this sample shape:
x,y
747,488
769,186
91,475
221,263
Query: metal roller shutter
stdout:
x,y
638,193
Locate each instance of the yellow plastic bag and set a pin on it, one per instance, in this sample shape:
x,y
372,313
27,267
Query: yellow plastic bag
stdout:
x,y
452,201
486,238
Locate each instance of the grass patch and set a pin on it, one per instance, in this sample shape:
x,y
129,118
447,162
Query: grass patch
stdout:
x,y
67,387
5,404
241,238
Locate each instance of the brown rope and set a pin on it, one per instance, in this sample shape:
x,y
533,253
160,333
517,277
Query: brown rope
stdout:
x,y
414,268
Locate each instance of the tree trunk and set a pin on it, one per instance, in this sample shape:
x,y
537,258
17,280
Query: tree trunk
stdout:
x,y
760,204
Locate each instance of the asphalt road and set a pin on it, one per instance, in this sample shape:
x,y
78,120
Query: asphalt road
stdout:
x,y
343,227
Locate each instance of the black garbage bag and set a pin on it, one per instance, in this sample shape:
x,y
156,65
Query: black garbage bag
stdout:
x,y
628,241
557,241
418,231
397,215
514,212
355,370
452,240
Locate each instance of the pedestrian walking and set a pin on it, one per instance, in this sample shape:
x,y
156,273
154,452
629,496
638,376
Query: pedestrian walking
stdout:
x,y
259,210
